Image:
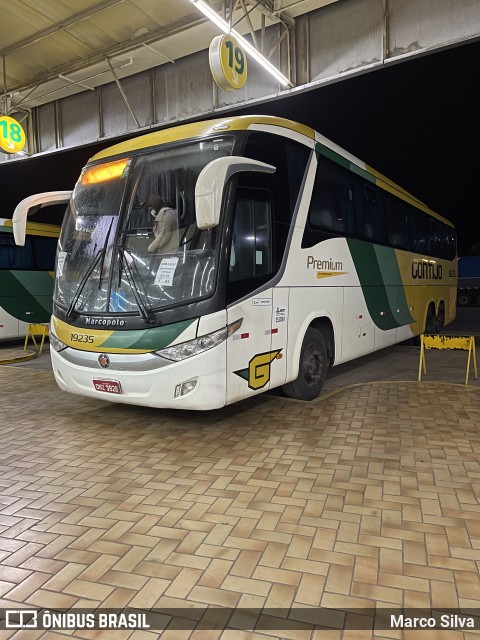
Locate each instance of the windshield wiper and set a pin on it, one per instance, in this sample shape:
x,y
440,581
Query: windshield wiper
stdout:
x,y
144,312
104,251
100,255
83,281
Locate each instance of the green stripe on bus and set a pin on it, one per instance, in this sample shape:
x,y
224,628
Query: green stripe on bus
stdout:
x,y
41,282
381,283
321,149
17,299
392,280
150,339
362,173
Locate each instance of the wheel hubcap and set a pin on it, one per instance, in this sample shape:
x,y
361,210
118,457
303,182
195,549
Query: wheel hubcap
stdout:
x,y
312,366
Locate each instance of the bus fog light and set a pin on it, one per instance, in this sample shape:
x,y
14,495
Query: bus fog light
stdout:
x,y
58,374
184,388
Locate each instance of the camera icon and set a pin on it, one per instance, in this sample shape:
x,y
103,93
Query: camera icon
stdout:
x,y
21,619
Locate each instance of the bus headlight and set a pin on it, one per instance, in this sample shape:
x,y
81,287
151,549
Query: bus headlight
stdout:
x,y
199,345
57,344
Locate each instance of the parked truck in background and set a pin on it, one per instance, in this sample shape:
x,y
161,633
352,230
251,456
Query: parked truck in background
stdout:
x,y
468,281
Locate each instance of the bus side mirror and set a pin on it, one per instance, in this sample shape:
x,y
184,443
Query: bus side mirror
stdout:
x,y
211,183
31,205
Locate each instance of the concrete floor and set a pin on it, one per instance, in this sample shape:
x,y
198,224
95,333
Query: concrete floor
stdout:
x,y
367,497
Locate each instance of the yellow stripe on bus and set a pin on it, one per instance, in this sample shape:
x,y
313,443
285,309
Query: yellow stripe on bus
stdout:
x,y
390,186
199,129
87,339
38,228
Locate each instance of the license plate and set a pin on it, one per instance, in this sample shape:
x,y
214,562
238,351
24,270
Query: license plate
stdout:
x,y
108,386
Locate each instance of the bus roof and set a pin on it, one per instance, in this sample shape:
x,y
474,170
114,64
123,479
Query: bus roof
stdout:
x,y
199,129
242,123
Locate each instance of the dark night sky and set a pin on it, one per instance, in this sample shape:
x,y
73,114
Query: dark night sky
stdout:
x,y
417,122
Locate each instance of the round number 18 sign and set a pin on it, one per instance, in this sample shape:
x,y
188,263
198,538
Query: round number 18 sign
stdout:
x,y
12,136
228,62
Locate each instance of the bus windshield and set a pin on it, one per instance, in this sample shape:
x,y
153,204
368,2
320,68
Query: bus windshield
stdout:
x,y
130,242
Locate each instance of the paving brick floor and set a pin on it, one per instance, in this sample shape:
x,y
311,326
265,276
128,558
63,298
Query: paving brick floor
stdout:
x,y
368,497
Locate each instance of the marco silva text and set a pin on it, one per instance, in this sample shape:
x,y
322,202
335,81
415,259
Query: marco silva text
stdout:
x,y
444,621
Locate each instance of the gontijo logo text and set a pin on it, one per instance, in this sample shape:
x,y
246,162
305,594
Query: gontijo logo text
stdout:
x,y
426,270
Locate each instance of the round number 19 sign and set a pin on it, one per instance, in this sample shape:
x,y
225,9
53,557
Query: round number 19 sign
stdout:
x,y
228,62
12,136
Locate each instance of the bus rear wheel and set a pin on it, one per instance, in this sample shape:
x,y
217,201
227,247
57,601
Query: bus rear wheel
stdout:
x,y
312,367
440,320
430,323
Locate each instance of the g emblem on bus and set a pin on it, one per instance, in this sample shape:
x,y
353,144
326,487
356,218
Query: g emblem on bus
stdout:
x,y
258,372
104,360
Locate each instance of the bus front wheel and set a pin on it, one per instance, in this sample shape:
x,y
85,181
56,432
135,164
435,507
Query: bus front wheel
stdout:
x,y
312,367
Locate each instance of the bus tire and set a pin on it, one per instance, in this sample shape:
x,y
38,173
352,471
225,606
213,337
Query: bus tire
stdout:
x,y
312,367
440,320
430,322
464,299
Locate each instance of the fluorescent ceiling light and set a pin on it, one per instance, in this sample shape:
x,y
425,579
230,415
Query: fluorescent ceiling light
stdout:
x,y
225,27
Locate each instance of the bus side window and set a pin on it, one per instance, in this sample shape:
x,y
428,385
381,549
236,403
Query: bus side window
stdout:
x,y
44,253
430,236
448,247
251,255
290,160
418,228
13,257
331,207
397,223
369,212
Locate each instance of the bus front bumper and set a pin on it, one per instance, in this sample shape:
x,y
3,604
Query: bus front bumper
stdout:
x,y
194,383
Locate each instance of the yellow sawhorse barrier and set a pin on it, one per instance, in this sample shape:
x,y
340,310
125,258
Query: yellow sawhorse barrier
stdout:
x,y
462,343
35,331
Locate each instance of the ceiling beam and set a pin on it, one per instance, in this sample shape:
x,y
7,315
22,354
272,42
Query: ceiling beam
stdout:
x,y
190,21
63,24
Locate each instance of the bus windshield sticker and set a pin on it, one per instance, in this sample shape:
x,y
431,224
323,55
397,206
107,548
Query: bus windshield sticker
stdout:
x,y
61,261
166,271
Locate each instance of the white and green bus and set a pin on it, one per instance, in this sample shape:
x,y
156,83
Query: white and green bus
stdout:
x,y
26,277
280,255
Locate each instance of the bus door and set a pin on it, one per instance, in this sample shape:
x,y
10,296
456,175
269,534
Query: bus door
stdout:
x,y
279,331
250,358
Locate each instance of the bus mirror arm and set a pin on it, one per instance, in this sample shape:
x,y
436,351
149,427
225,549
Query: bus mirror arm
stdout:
x,y
211,184
31,205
